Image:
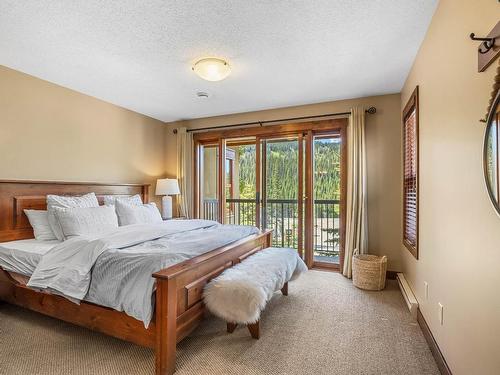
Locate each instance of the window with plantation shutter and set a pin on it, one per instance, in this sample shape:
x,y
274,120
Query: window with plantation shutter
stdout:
x,y
410,170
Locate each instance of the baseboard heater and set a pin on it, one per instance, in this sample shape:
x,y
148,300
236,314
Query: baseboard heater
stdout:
x,y
408,295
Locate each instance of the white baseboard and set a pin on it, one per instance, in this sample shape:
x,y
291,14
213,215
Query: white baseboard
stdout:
x,y
408,295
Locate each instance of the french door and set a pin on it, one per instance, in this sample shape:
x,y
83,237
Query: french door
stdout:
x,y
290,180
280,189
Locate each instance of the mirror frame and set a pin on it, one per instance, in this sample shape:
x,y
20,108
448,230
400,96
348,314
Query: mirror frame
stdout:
x,y
489,119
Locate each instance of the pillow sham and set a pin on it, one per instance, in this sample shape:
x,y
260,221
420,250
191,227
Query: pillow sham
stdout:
x,y
39,221
134,214
61,201
86,221
109,200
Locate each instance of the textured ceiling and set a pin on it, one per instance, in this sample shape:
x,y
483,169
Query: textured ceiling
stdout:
x,y
138,54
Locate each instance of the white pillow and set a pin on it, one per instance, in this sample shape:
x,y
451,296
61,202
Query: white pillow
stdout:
x,y
86,221
39,221
133,214
61,201
109,200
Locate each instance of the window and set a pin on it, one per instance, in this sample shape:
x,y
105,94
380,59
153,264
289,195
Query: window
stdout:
x,y
410,171
208,174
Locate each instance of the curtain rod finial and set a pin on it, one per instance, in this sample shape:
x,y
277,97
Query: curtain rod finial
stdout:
x,y
371,110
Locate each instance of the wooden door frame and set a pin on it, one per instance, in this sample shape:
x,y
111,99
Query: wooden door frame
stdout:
x,y
305,131
222,179
271,130
300,197
309,201
258,179
261,186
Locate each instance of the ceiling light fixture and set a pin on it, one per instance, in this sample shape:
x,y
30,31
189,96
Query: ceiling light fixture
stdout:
x,y
212,69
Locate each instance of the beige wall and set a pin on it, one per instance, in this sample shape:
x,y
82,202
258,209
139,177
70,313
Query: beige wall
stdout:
x,y
48,132
459,230
383,133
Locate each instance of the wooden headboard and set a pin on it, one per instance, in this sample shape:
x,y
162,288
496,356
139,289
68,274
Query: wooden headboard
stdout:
x,y
15,196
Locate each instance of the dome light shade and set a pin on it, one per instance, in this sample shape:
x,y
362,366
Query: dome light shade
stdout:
x,y
212,69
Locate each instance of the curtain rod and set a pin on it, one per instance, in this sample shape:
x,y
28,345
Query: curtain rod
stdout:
x,y
370,110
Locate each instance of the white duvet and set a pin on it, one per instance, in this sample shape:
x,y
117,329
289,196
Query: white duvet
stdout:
x,y
115,269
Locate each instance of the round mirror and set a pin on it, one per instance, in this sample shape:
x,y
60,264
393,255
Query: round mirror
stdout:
x,y
491,153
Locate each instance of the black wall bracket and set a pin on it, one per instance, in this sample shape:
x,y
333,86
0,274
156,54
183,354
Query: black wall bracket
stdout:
x,y
488,43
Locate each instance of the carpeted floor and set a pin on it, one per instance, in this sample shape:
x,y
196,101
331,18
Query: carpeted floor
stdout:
x,y
324,326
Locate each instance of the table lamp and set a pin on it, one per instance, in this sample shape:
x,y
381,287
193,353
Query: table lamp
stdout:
x,y
167,187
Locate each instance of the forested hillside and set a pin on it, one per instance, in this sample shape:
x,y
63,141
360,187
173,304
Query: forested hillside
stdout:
x,y
282,163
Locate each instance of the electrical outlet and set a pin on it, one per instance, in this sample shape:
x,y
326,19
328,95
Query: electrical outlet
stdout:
x,y
426,290
440,312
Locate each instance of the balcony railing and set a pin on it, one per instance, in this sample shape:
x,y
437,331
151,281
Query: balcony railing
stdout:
x,y
282,216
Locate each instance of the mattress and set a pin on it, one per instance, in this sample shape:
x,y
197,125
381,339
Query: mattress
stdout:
x,y
23,256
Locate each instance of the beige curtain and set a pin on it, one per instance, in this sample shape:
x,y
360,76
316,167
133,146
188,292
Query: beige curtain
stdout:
x,y
356,236
185,172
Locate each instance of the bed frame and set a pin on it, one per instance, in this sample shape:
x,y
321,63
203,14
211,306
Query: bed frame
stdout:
x,y
179,306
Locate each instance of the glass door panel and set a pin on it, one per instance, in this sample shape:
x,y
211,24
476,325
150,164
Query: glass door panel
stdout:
x,y
209,175
327,193
280,190
240,182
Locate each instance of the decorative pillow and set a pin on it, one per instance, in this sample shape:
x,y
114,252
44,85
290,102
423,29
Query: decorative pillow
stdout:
x,y
87,221
133,214
109,200
61,201
39,221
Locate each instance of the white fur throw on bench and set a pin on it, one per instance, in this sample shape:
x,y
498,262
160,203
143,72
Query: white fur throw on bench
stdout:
x,y
240,293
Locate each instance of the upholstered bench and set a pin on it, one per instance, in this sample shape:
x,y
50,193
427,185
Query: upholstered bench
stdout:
x,y
241,293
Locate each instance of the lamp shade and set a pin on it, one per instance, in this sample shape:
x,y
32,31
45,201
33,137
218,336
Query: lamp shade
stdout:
x,y
167,186
212,69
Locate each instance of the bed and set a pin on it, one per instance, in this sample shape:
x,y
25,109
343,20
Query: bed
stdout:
x,y
178,308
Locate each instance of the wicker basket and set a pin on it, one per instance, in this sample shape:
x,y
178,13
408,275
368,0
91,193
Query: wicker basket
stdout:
x,y
368,271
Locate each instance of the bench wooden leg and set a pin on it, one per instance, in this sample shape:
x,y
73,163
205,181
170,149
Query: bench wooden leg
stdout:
x,y
231,327
254,330
284,290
